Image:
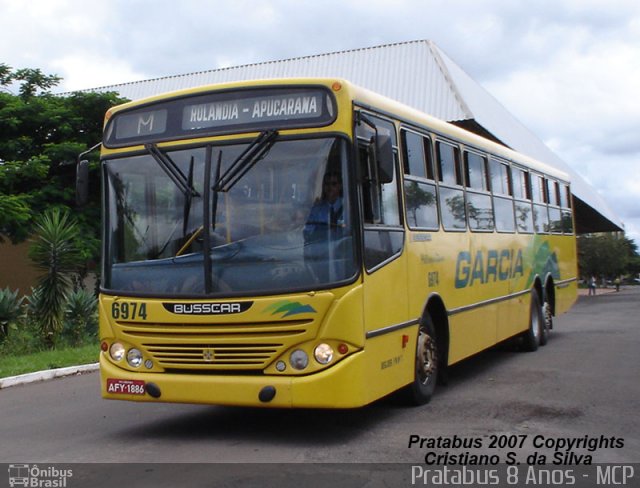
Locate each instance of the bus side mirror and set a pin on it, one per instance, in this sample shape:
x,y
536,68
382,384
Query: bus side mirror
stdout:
x,y
82,183
384,152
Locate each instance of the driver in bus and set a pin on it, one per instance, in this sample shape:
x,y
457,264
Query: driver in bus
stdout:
x,y
326,214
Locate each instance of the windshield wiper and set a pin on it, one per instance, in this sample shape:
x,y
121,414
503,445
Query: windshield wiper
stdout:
x,y
187,200
254,152
184,184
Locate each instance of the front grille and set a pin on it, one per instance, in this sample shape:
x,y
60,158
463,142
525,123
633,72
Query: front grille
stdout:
x,y
232,355
221,347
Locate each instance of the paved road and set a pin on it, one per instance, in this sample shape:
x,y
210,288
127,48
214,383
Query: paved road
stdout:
x,y
583,384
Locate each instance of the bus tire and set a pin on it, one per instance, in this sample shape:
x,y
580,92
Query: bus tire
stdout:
x,y
532,337
426,364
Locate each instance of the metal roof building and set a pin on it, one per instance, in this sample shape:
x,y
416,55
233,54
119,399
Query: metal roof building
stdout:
x,y
420,75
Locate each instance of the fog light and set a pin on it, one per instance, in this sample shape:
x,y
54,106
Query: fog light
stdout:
x,y
299,359
323,353
148,364
116,351
281,366
134,358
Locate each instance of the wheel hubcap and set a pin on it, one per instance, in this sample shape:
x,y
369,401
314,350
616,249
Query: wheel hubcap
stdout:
x,y
546,313
426,358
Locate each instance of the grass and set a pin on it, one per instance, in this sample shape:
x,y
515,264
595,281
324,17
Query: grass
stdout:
x,y
59,358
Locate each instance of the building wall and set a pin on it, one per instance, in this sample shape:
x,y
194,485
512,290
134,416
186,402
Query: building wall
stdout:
x,y
16,270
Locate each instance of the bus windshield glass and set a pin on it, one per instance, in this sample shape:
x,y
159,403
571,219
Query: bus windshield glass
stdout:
x,y
283,223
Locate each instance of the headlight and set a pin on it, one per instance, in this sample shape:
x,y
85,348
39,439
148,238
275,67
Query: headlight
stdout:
x,y
299,359
134,358
116,351
323,353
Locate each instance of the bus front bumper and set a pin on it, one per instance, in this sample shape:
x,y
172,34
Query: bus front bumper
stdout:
x,y
335,387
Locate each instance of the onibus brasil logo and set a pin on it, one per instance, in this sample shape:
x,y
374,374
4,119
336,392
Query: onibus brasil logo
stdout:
x,y
38,477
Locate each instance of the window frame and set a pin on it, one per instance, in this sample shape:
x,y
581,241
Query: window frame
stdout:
x,y
494,162
523,184
428,180
443,186
472,191
368,228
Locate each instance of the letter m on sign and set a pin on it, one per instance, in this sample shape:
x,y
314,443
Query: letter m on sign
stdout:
x,y
145,125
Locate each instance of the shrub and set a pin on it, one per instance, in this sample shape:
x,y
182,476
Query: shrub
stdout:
x,y
10,310
81,316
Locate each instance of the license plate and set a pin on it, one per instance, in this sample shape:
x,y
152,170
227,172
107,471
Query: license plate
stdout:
x,y
125,387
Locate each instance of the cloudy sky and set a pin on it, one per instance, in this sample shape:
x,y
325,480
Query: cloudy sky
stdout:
x,y
568,69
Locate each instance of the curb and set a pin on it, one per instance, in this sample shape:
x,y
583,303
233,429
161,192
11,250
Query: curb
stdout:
x,y
24,379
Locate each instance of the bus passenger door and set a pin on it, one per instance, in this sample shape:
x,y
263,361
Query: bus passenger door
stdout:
x,y
385,273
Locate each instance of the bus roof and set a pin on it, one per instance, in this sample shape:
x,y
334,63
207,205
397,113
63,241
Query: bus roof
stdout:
x,y
374,101
447,129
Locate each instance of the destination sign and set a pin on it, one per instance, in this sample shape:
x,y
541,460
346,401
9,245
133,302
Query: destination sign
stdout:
x,y
251,110
222,112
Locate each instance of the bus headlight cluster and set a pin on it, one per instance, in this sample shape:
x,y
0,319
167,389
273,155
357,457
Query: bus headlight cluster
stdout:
x,y
134,356
323,353
299,359
116,351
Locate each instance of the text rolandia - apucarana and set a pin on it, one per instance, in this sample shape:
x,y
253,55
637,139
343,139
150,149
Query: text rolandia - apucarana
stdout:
x,y
266,108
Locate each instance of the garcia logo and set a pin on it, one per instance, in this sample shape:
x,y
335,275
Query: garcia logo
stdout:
x,y
207,308
493,265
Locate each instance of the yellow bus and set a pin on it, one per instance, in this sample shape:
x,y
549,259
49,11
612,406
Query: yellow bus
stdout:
x,y
309,243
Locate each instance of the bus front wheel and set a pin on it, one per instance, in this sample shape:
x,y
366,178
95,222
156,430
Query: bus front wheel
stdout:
x,y
426,364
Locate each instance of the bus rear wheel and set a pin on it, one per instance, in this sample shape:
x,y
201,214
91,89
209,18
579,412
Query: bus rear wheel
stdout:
x,y
426,364
533,336
547,316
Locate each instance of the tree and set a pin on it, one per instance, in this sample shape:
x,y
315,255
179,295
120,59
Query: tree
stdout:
x,y
42,134
606,255
30,80
417,197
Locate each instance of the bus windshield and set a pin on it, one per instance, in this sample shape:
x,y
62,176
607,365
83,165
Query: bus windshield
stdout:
x,y
285,222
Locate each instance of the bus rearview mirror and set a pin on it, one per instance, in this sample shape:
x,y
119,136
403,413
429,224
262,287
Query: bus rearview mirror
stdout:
x,y
384,152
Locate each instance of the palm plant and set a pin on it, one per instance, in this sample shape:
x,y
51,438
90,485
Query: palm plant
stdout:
x,y
56,255
81,314
10,309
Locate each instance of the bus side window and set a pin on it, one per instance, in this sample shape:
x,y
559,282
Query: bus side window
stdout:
x,y
540,210
565,203
452,203
479,206
522,194
502,200
383,236
555,214
449,164
419,185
